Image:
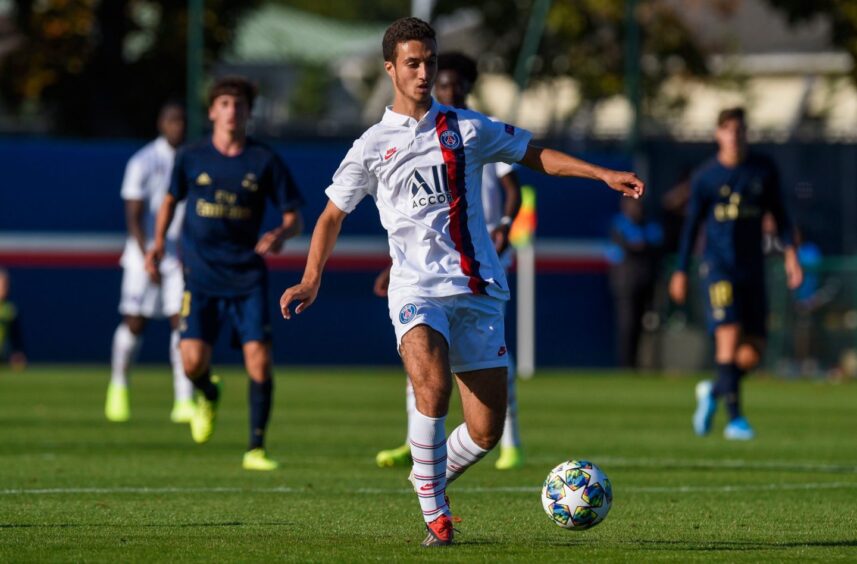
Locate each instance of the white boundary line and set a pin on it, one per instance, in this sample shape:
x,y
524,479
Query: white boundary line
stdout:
x,y
499,489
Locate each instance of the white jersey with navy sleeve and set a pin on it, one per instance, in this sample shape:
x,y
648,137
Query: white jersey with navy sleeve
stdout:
x,y
426,179
147,178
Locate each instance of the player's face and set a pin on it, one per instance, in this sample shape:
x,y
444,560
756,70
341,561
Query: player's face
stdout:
x,y
172,125
415,69
732,136
229,114
451,89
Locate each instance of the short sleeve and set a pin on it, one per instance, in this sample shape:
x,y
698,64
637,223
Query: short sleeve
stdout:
x,y
132,183
352,181
178,182
284,191
501,142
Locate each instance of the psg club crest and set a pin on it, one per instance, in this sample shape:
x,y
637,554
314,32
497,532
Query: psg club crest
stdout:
x,y
407,314
450,139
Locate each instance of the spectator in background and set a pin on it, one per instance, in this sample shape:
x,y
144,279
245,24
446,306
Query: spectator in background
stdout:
x,y
11,342
633,256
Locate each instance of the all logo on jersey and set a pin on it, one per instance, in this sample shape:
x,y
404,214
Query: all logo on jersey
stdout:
x,y
407,313
450,139
428,187
203,179
250,182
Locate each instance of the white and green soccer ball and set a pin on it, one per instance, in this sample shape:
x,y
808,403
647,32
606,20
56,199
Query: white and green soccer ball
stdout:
x,y
577,495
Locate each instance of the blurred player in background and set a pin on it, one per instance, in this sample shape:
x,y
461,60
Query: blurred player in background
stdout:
x,y
501,200
147,178
729,196
422,164
226,180
11,340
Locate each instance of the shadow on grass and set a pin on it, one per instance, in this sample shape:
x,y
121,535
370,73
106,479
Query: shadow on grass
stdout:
x,y
144,526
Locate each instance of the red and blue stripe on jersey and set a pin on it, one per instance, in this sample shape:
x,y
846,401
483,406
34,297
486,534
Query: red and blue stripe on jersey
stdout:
x,y
458,207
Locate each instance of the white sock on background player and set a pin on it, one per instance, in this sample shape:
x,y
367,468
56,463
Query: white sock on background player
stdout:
x,y
462,453
126,345
428,450
511,434
182,386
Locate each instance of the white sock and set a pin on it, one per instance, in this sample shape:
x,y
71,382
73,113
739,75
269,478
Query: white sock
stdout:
x,y
462,452
182,386
126,345
511,434
410,404
428,449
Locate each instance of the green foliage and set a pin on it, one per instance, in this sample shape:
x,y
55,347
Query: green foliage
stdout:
x,y
78,489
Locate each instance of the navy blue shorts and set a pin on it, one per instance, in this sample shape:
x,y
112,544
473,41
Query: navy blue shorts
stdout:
x,y
202,316
736,300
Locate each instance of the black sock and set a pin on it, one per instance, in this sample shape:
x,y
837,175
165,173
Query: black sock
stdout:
x,y
260,410
728,387
204,384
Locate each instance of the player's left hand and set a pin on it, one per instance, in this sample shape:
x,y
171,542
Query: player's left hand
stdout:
x,y
794,271
625,183
303,293
500,236
271,242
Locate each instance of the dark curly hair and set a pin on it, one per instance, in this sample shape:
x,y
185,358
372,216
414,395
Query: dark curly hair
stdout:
x,y
402,30
237,86
460,63
730,114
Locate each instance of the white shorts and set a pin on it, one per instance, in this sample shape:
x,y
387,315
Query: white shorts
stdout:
x,y
141,297
473,327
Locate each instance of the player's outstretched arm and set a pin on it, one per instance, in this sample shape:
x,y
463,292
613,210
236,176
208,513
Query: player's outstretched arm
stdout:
x,y
162,224
321,246
557,163
272,241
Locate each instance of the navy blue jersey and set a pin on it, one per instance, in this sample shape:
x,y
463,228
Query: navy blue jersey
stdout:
x,y
731,202
225,206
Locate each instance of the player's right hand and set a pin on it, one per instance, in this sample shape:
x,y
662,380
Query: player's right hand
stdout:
x,y
303,293
678,287
382,282
153,262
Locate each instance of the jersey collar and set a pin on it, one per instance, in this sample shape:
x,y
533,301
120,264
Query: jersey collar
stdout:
x,y
163,146
397,119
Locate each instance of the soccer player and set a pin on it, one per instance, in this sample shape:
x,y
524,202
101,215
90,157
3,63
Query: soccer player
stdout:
x,y
501,199
147,178
422,164
226,180
729,196
11,341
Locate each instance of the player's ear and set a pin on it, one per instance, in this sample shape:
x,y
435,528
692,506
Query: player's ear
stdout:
x,y
390,68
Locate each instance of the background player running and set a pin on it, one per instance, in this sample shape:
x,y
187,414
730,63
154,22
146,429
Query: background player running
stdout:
x,y
147,179
422,164
501,200
226,181
729,196
11,339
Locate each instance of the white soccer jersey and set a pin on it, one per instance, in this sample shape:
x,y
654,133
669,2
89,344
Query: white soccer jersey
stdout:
x,y
492,192
426,179
147,178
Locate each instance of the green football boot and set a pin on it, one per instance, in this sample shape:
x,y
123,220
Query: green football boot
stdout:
x,y
399,456
117,407
511,458
182,411
205,414
257,459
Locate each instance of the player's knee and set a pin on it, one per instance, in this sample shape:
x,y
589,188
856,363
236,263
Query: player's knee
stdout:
x,y
747,357
486,438
135,324
195,362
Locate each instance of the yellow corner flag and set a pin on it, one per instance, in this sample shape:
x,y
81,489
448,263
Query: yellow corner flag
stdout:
x,y
524,226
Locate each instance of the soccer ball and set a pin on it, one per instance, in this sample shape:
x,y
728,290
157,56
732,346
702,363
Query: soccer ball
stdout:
x,y
577,495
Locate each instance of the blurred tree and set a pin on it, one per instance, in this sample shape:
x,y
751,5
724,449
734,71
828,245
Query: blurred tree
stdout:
x,y
354,10
842,15
104,67
584,39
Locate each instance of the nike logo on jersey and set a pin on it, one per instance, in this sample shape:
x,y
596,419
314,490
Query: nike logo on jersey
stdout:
x,y
203,179
390,152
502,351
428,487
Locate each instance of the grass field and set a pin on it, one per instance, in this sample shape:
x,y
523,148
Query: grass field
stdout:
x,y
75,488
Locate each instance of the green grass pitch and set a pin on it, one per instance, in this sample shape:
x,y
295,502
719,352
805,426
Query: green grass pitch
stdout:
x,y
76,488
